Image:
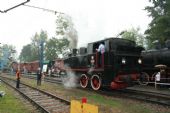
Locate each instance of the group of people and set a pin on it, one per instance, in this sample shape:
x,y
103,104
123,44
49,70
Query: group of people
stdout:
x,y
39,77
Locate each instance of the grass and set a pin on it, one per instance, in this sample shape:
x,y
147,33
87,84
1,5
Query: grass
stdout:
x,y
9,103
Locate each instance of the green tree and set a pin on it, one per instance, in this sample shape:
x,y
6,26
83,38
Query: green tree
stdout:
x,y
36,41
55,47
135,35
159,28
26,53
31,51
51,49
7,54
65,29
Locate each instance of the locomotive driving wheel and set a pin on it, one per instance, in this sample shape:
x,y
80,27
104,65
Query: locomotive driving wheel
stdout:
x,y
143,79
84,81
96,82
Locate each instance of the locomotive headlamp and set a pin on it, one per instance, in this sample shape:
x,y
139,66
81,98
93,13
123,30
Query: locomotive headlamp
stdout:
x,y
123,61
139,61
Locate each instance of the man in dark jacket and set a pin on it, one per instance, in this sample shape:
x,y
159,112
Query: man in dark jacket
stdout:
x,y
38,77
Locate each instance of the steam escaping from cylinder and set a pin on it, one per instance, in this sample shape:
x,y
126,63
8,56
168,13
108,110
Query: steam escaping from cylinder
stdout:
x,y
90,70
70,79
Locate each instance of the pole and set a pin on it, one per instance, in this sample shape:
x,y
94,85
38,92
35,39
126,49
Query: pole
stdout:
x,y
41,54
14,6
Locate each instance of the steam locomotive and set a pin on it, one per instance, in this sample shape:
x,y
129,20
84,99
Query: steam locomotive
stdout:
x,y
157,60
121,64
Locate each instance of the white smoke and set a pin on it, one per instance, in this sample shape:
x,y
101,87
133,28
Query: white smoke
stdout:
x,y
90,70
66,29
70,79
71,33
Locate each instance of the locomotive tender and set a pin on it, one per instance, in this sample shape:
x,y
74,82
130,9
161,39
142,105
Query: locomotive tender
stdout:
x,y
121,64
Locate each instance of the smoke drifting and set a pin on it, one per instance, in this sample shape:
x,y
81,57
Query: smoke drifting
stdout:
x,y
73,38
65,29
70,79
71,33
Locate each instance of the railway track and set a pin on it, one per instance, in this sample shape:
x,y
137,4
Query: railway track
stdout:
x,y
47,79
151,97
44,101
146,96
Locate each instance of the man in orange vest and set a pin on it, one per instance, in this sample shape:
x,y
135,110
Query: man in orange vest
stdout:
x,y
18,78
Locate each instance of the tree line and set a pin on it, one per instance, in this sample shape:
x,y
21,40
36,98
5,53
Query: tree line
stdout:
x,y
158,29
65,39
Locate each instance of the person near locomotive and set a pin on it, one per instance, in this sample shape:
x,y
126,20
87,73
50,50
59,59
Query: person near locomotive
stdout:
x,y
39,74
101,50
18,75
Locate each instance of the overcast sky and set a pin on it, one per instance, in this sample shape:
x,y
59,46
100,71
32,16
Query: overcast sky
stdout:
x,y
93,19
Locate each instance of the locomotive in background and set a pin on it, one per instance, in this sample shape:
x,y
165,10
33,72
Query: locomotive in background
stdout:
x,y
121,64
157,60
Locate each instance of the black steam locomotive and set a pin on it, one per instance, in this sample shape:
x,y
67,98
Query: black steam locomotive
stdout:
x,y
157,60
121,64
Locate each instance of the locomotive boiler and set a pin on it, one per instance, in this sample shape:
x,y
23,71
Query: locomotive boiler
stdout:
x,y
120,65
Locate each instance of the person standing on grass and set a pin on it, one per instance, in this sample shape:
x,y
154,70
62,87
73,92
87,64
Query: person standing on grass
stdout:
x,y
39,77
18,78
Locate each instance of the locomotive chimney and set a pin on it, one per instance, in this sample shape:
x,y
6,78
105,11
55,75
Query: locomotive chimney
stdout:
x,y
74,52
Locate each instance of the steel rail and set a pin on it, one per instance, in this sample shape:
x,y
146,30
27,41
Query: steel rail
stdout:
x,y
146,96
32,100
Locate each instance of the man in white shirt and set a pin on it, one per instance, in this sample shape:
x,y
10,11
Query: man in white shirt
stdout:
x,y
157,79
101,50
